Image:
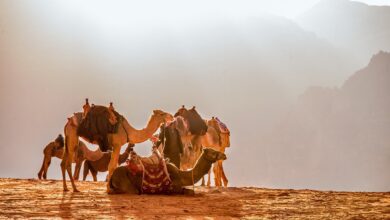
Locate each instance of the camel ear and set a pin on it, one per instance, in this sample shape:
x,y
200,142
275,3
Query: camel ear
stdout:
x,y
155,112
193,107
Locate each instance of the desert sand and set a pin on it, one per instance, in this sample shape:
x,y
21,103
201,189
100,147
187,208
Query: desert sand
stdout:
x,y
31,198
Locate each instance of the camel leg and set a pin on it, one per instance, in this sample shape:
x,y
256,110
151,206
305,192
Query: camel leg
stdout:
x,y
45,166
94,175
224,178
113,164
217,176
70,144
86,170
41,170
208,178
203,184
64,163
69,170
77,170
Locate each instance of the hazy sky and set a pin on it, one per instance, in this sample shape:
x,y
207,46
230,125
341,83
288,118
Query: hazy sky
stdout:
x,y
229,58
175,12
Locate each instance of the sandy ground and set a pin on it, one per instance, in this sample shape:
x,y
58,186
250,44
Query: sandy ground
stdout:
x,y
30,198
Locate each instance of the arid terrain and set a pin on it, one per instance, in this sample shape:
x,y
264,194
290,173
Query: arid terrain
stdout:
x,y
30,198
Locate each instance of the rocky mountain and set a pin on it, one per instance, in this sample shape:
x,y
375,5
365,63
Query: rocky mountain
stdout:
x,y
339,134
355,26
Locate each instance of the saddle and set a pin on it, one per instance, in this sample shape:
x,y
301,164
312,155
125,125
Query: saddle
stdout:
x,y
222,126
155,176
98,123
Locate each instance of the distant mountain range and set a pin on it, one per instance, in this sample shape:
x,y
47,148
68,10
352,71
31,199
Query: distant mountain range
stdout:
x,y
339,133
360,28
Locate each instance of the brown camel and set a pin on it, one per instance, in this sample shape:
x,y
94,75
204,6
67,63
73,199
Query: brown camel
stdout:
x,y
196,128
170,136
217,138
123,134
101,165
56,149
124,180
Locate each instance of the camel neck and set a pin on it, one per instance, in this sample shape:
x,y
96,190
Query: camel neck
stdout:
x,y
139,136
201,167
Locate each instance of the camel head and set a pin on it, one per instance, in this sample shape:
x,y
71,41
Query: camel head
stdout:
x,y
181,126
213,155
162,116
196,124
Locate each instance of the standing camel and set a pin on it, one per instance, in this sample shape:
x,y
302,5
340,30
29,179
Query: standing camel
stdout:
x,y
122,134
101,165
217,138
169,140
56,149
197,128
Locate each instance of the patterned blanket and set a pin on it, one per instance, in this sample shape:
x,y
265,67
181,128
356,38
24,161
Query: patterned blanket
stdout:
x,y
155,177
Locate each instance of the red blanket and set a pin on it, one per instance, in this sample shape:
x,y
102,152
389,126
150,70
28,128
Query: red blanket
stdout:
x,y
155,179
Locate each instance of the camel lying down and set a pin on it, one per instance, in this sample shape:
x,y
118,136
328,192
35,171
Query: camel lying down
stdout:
x,y
125,180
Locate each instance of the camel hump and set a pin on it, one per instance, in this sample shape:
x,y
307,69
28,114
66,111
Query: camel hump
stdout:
x,y
98,123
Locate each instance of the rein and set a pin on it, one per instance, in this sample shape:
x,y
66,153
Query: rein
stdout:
x,y
163,140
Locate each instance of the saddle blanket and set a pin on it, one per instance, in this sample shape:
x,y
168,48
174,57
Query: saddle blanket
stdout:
x,y
155,178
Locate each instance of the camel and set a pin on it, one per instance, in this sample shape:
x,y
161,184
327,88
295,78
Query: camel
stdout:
x,y
217,138
56,149
125,133
169,140
101,165
197,128
125,181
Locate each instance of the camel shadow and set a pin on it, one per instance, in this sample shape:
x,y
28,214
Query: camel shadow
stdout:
x,y
65,206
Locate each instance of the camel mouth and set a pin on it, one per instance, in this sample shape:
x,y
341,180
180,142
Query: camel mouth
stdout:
x,y
224,157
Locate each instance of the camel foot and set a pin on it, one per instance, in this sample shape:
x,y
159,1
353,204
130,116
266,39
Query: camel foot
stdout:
x,y
66,189
76,190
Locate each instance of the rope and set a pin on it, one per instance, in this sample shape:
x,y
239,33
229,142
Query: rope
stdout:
x,y
143,172
163,140
193,184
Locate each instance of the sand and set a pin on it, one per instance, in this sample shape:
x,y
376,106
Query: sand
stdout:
x,y
31,198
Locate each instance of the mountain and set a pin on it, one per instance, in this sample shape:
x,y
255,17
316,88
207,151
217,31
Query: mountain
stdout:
x,y
355,26
339,135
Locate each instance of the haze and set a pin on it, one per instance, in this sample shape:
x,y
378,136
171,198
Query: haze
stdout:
x,y
247,63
